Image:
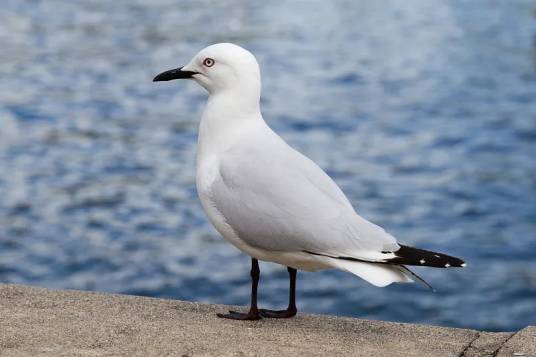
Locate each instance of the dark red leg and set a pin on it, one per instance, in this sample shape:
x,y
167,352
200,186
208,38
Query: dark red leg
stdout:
x,y
253,313
291,309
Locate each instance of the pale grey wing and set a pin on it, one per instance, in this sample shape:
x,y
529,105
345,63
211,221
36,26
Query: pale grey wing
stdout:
x,y
280,200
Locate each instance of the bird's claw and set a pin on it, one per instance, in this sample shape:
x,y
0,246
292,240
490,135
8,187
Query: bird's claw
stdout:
x,y
251,315
278,314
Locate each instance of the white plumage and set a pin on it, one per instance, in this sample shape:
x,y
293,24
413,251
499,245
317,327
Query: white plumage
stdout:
x,y
271,201
266,198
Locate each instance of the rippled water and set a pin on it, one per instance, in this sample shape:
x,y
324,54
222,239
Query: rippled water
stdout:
x,y
424,112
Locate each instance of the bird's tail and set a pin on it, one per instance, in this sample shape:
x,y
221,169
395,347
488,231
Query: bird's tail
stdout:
x,y
417,278
377,274
392,270
420,257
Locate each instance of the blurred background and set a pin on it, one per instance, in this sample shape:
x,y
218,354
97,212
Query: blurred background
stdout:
x,y
424,112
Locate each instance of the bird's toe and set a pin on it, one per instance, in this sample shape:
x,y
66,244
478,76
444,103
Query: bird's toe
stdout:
x,y
234,315
278,314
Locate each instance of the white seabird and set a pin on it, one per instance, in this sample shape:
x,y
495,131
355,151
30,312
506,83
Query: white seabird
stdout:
x,y
272,202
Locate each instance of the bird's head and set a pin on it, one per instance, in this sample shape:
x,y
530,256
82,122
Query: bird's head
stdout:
x,y
220,67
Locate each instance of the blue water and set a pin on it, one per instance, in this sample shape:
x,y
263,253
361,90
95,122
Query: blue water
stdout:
x,y
424,112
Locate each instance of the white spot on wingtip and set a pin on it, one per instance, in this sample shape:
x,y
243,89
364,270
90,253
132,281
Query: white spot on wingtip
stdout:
x,y
422,261
437,256
463,265
447,265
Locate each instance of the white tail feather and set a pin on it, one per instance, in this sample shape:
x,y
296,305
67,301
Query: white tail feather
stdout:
x,y
377,274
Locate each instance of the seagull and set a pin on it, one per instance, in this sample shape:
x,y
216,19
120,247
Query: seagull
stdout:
x,y
272,202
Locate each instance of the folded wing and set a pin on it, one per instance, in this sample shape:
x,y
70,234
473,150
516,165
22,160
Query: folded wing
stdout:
x,y
280,200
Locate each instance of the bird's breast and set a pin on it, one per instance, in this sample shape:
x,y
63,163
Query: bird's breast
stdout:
x,y
206,174
206,178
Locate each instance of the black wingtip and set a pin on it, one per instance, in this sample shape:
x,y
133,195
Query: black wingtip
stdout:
x,y
419,257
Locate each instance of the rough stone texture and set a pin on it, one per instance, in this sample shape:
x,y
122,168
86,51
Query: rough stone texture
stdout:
x,y
37,321
486,344
522,343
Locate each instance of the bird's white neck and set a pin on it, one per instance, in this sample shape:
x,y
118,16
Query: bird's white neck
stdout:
x,y
227,116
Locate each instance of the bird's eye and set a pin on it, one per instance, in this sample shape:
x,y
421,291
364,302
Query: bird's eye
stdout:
x,y
209,62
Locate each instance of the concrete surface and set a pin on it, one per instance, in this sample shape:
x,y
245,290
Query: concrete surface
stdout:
x,y
37,321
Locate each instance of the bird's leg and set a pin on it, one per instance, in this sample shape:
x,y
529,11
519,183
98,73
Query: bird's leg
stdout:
x,y
291,309
253,313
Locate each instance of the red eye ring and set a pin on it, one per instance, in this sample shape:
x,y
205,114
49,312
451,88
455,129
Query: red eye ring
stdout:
x,y
208,62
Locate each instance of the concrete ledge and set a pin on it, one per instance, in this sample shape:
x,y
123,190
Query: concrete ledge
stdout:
x,y
37,321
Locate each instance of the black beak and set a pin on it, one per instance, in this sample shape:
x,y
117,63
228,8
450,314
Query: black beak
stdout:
x,y
176,73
